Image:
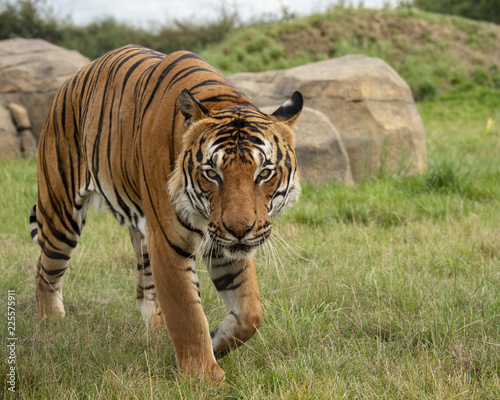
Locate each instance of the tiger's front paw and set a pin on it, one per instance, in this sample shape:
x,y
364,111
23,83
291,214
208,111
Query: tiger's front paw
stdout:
x,y
235,330
208,371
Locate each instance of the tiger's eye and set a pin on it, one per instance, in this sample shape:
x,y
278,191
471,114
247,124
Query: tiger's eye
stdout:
x,y
264,173
211,173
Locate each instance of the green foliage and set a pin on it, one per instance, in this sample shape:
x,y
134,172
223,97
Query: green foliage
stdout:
x,y
94,39
495,75
432,52
406,40
29,19
484,10
425,90
36,19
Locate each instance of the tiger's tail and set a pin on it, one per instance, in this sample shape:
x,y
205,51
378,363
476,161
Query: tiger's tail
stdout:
x,y
33,225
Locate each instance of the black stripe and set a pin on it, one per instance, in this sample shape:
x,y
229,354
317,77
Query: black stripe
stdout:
x,y
164,73
236,317
125,208
174,247
224,282
49,284
76,228
226,96
214,332
208,82
222,141
33,215
61,237
172,154
54,272
199,153
224,264
177,249
144,265
45,240
186,72
54,255
188,226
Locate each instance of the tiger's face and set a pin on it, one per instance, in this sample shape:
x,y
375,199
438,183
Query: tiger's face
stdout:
x,y
237,170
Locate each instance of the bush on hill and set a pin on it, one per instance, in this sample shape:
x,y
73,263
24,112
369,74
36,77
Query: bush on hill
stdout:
x,y
483,10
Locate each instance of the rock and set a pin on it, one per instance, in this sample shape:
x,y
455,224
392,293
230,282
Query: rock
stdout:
x,y
9,144
31,71
21,118
29,147
366,100
320,152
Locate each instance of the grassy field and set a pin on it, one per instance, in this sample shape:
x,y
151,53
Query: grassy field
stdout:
x,y
390,289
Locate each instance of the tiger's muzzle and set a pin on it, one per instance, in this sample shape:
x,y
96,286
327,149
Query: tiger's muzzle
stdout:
x,y
240,242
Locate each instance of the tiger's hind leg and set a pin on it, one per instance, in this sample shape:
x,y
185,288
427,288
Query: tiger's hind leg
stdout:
x,y
147,301
64,193
56,228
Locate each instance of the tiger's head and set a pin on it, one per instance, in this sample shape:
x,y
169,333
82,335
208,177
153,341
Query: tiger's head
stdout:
x,y
236,171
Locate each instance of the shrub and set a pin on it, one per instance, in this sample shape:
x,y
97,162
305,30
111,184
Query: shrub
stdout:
x,y
426,90
481,77
495,76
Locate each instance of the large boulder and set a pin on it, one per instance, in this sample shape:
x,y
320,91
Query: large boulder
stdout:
x,y
9,144
366,100
320,152
31,71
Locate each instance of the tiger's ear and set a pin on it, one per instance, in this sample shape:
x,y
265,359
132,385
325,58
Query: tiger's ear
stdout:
x,y
289,111
191,108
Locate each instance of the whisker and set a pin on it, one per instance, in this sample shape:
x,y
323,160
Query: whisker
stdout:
x,y
273,260
291,248
278,241
275,246
208,250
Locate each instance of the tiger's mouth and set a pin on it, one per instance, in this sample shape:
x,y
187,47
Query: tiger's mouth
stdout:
x,y
238,249
246,248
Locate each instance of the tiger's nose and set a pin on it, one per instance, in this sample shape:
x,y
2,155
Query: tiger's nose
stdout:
x,y
239,231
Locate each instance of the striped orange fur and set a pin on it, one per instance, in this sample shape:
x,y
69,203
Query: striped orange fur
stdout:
x,y
190,165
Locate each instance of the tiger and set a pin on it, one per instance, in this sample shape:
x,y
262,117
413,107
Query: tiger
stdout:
x,y
190,165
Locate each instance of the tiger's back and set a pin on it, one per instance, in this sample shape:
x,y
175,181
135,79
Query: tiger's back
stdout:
x,y
188,163
117,99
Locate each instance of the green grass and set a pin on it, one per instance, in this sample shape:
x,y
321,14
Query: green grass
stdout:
x,y
394,291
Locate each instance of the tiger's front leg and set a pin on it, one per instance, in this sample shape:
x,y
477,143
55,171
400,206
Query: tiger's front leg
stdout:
x,y
237,285
177,289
